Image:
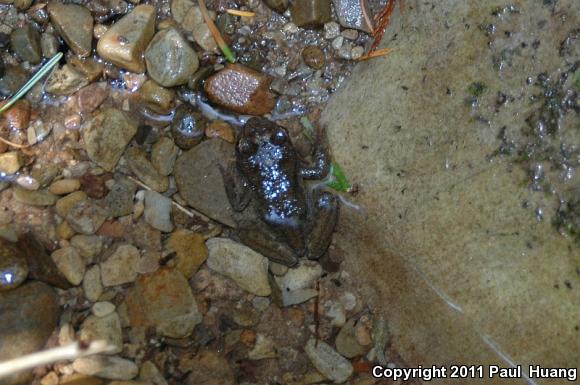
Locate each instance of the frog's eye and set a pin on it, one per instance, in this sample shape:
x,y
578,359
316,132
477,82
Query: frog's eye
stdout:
x,y
246,146
279,137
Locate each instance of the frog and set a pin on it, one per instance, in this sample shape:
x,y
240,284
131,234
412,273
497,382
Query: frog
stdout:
x,y
290,221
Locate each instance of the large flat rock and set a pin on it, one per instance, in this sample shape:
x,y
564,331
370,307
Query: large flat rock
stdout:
x,y
445,247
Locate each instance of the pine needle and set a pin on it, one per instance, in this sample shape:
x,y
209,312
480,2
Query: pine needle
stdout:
x,y
377,53
237,12
216,33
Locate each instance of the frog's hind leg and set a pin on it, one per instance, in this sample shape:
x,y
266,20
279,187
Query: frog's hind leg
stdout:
x,y
257,236
325,211
237,191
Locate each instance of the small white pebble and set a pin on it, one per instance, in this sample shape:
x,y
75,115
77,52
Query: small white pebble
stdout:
x,y
350,34
357,52
337,42
331,30
101,309
290,28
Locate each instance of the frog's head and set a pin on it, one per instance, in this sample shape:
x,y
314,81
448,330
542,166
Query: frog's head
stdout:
x,y
259,134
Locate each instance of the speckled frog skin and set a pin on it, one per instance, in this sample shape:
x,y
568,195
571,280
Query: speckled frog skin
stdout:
x,y
292,222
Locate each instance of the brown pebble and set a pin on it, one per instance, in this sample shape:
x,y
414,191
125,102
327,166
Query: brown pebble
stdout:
x,y
248,337
90,97
95,185
220,129
64,231
64,186
113,229
313,57
17,117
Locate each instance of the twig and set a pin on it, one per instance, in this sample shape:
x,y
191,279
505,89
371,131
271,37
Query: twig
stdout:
x,y
237,12
69,352
15,145
368,22
377,53
190,212
216,33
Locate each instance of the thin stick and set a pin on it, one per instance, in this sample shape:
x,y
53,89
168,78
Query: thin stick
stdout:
x,y
190,212
369,23
69,352
237,12
216,33
377,53
15,145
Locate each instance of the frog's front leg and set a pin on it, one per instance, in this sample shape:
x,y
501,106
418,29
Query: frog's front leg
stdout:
x,y
237,191
325,209
321,158
259,237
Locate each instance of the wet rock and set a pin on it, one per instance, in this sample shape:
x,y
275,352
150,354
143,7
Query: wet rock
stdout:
x,y
279,6
303,276
190,249
241,89
331,30
149,372
163,300
313,57
74,23
89,98
350,14
328,362
86,217
336,312
158,211
13,266
170,59
204,189
356,52
10,162
121,265
124,43
95,186
64,205
311,13
346,342
163,155
209,368
120,199
107,135
22,5
14,78
240,263
144,170
49,44
28,316
17,117
87,66
220,129
70,263
64,186
107,328
180,8
66,81
92,285
187,127
155,97
349,34
195,23
264,348
34,198
40,264
88,246
25,42
109,367
64,231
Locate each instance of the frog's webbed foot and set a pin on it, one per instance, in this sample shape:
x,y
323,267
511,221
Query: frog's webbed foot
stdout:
x,y
258,237
237,191
321,223
321,158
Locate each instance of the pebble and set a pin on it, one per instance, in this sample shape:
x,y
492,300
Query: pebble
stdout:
x,y
362,333
240,263
50,379
170,59
89,67
10,162
65,204
350,14
92,285
34,198
220,129
106,328
311,14
64,231
381,337
125,41
25,43
345,51
14,78
357,52
331,30
190,249
313,57
89,98
150,373
28,316
163,155
158,211
66,81
241,89
349,34
346,343
204,189
144,170
279,6
187,127
40,264
328,362
278,269
264,348
86,217
74,23
13,266
163,300
209,368
195,23
156,98
121,265
180,8
119,200
49,44
107,135
70,263
17,117
109,367
64,186
88,246
337,42
335,311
